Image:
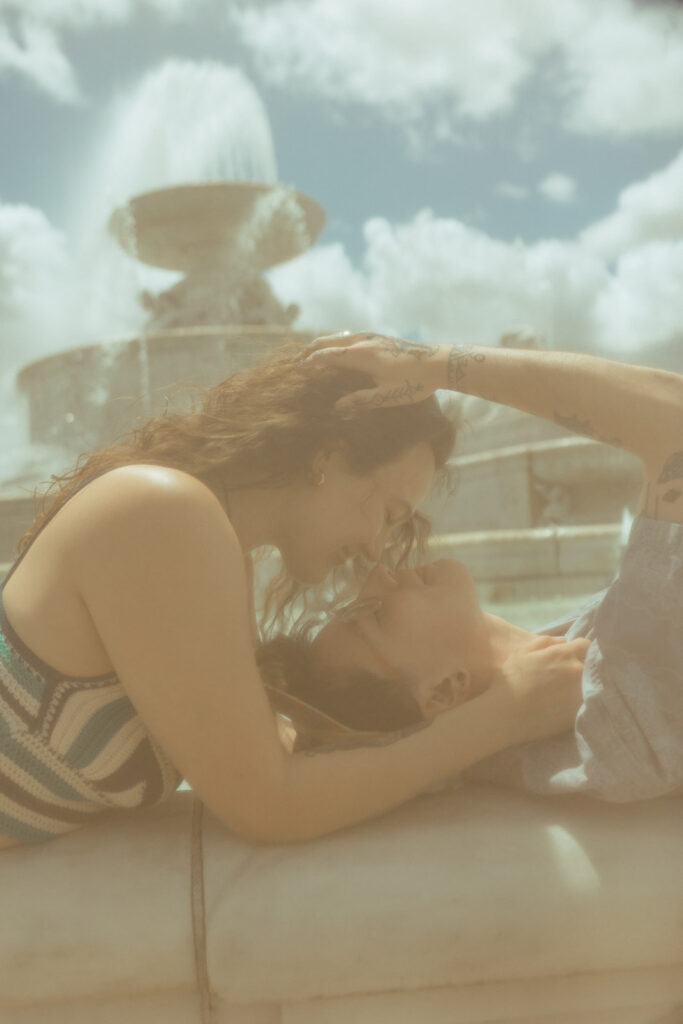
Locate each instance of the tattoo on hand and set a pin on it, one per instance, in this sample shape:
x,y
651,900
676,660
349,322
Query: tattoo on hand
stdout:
x,y
399,346
586,428
673,468
407,391
458,361
367,740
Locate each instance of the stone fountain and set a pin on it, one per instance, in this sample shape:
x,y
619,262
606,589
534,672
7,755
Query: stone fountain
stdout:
x,y
538,512
219,317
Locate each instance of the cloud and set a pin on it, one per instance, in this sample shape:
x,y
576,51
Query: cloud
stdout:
x,y
332,294
399,58
30,35
438,279
441,280
624,69
36,279
643,299
558,188
34,53
509,190
617,69
646,211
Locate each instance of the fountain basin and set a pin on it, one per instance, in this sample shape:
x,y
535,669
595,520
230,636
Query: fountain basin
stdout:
x,y
181,226
86,397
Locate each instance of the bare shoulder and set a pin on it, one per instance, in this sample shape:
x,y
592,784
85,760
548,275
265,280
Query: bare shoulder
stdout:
x,y
143,525
662,495
162,575
125,503
141,482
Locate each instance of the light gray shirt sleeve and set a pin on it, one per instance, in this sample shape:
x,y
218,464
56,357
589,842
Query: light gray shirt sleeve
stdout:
x,y
627,741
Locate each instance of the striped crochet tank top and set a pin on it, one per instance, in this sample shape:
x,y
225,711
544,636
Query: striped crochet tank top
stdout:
x,y
70,747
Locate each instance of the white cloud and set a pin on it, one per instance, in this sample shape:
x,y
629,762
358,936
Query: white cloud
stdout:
x,y
618,67
644,297
332,294
30,35
509,190
399,57
558,188
646,211
624,69
441,280
36,280
34,52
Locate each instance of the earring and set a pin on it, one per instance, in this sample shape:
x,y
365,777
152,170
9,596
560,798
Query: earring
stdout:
x,y
321,479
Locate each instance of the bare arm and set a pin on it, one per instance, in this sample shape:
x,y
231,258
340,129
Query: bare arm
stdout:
x,y
631,407
161,572
662,494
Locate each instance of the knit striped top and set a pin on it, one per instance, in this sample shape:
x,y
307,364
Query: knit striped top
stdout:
x,y
70,747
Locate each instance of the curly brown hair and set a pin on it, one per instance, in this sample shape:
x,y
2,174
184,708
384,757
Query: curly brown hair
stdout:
x,y
263,426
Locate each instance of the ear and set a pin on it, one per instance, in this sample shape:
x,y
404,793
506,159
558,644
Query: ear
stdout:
x,y
331,457
446,693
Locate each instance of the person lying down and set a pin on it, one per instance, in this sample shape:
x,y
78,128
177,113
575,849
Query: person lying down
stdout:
x,y
416,643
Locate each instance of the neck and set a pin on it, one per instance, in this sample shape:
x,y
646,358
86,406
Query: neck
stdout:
x,y
254,512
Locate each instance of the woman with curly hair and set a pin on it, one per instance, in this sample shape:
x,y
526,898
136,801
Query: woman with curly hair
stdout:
x,y
126,623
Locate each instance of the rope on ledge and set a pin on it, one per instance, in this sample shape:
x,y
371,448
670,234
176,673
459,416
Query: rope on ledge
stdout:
x,y
199,914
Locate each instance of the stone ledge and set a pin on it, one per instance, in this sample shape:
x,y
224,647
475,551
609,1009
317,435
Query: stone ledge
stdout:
x,y
479,898
542,551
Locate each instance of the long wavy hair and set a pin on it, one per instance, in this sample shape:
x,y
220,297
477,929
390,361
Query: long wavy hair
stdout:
x,y
262,427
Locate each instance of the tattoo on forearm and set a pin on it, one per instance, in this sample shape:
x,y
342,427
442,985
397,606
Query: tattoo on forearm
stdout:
x,y
458,360
400,346
367,740
586,428
672,470
391,397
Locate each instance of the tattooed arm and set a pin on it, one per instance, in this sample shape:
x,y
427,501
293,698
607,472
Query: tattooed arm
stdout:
x,y
631,407
662,495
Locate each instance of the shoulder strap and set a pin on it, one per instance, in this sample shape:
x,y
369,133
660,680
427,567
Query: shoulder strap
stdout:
x,y
199,914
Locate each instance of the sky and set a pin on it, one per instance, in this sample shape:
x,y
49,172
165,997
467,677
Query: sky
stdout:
x,y
483,167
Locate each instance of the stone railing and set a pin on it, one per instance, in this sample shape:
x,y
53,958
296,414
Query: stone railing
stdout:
x,y
470,906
